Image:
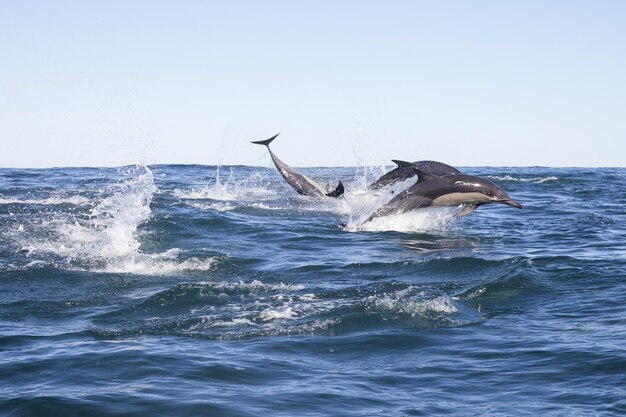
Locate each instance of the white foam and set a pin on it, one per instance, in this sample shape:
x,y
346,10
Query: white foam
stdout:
x,y
211,206
422,220
155,264
284,314
50,201
414,305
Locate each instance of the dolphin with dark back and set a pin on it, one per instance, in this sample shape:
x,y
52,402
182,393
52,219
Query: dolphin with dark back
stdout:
x,y
445,191
301,183
405,170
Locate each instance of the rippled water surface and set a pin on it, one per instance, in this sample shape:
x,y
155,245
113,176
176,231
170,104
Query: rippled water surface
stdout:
x,y
197,291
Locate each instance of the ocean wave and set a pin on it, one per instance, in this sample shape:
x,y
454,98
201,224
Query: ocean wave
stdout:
x,y
235,310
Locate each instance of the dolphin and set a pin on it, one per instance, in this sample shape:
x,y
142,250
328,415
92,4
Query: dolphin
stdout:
x,y
404,171
301,183
445,191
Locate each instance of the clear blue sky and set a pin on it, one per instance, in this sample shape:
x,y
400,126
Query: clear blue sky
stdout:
x,y
86,83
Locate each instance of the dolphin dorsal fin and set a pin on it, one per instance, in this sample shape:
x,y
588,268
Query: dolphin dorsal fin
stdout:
x,y
266,142
401,164
423,175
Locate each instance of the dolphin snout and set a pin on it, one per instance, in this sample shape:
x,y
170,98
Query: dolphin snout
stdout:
x,y
512,203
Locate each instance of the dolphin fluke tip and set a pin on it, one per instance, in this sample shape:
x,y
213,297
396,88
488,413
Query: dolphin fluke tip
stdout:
x,y
265,142
337,192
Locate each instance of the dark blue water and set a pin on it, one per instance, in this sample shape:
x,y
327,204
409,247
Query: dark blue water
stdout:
x,y
193,291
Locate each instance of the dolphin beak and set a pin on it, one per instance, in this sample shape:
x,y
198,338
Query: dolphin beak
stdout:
x,y
512,203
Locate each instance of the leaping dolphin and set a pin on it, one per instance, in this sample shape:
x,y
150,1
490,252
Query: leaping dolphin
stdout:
x,y
301,183
404,171
445,191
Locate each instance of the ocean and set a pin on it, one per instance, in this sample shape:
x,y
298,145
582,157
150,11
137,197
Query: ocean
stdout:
x,y
188,290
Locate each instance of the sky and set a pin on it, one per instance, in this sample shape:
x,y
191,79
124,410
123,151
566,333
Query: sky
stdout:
x,y
346,83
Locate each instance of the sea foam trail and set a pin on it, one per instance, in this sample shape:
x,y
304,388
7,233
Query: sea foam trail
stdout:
x,y
108,239
50,201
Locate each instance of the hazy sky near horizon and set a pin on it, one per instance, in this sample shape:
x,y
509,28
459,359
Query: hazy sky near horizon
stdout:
x,y
346,83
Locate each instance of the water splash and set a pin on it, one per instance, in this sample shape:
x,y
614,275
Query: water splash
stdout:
x,y
423,220
106,239
232,189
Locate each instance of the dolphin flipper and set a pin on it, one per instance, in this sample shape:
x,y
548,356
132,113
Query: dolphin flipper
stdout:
x,y
467,209
337,192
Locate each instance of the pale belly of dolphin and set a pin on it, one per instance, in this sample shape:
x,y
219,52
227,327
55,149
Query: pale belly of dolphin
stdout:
x,y
455,199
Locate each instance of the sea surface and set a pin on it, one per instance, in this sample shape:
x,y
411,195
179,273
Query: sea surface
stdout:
x,y
217,291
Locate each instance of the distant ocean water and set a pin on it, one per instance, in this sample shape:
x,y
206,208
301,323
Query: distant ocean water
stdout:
x,y
205,291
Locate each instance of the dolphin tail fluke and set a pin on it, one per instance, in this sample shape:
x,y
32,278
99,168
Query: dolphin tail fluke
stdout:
x,y
337,192
266,142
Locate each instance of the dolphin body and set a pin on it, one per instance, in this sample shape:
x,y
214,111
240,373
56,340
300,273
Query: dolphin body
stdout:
x,y
445,191
404,171
301,183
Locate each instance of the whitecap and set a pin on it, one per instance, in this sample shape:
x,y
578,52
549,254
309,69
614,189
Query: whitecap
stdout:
x,y
211,206
75,200
415,305
272,314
